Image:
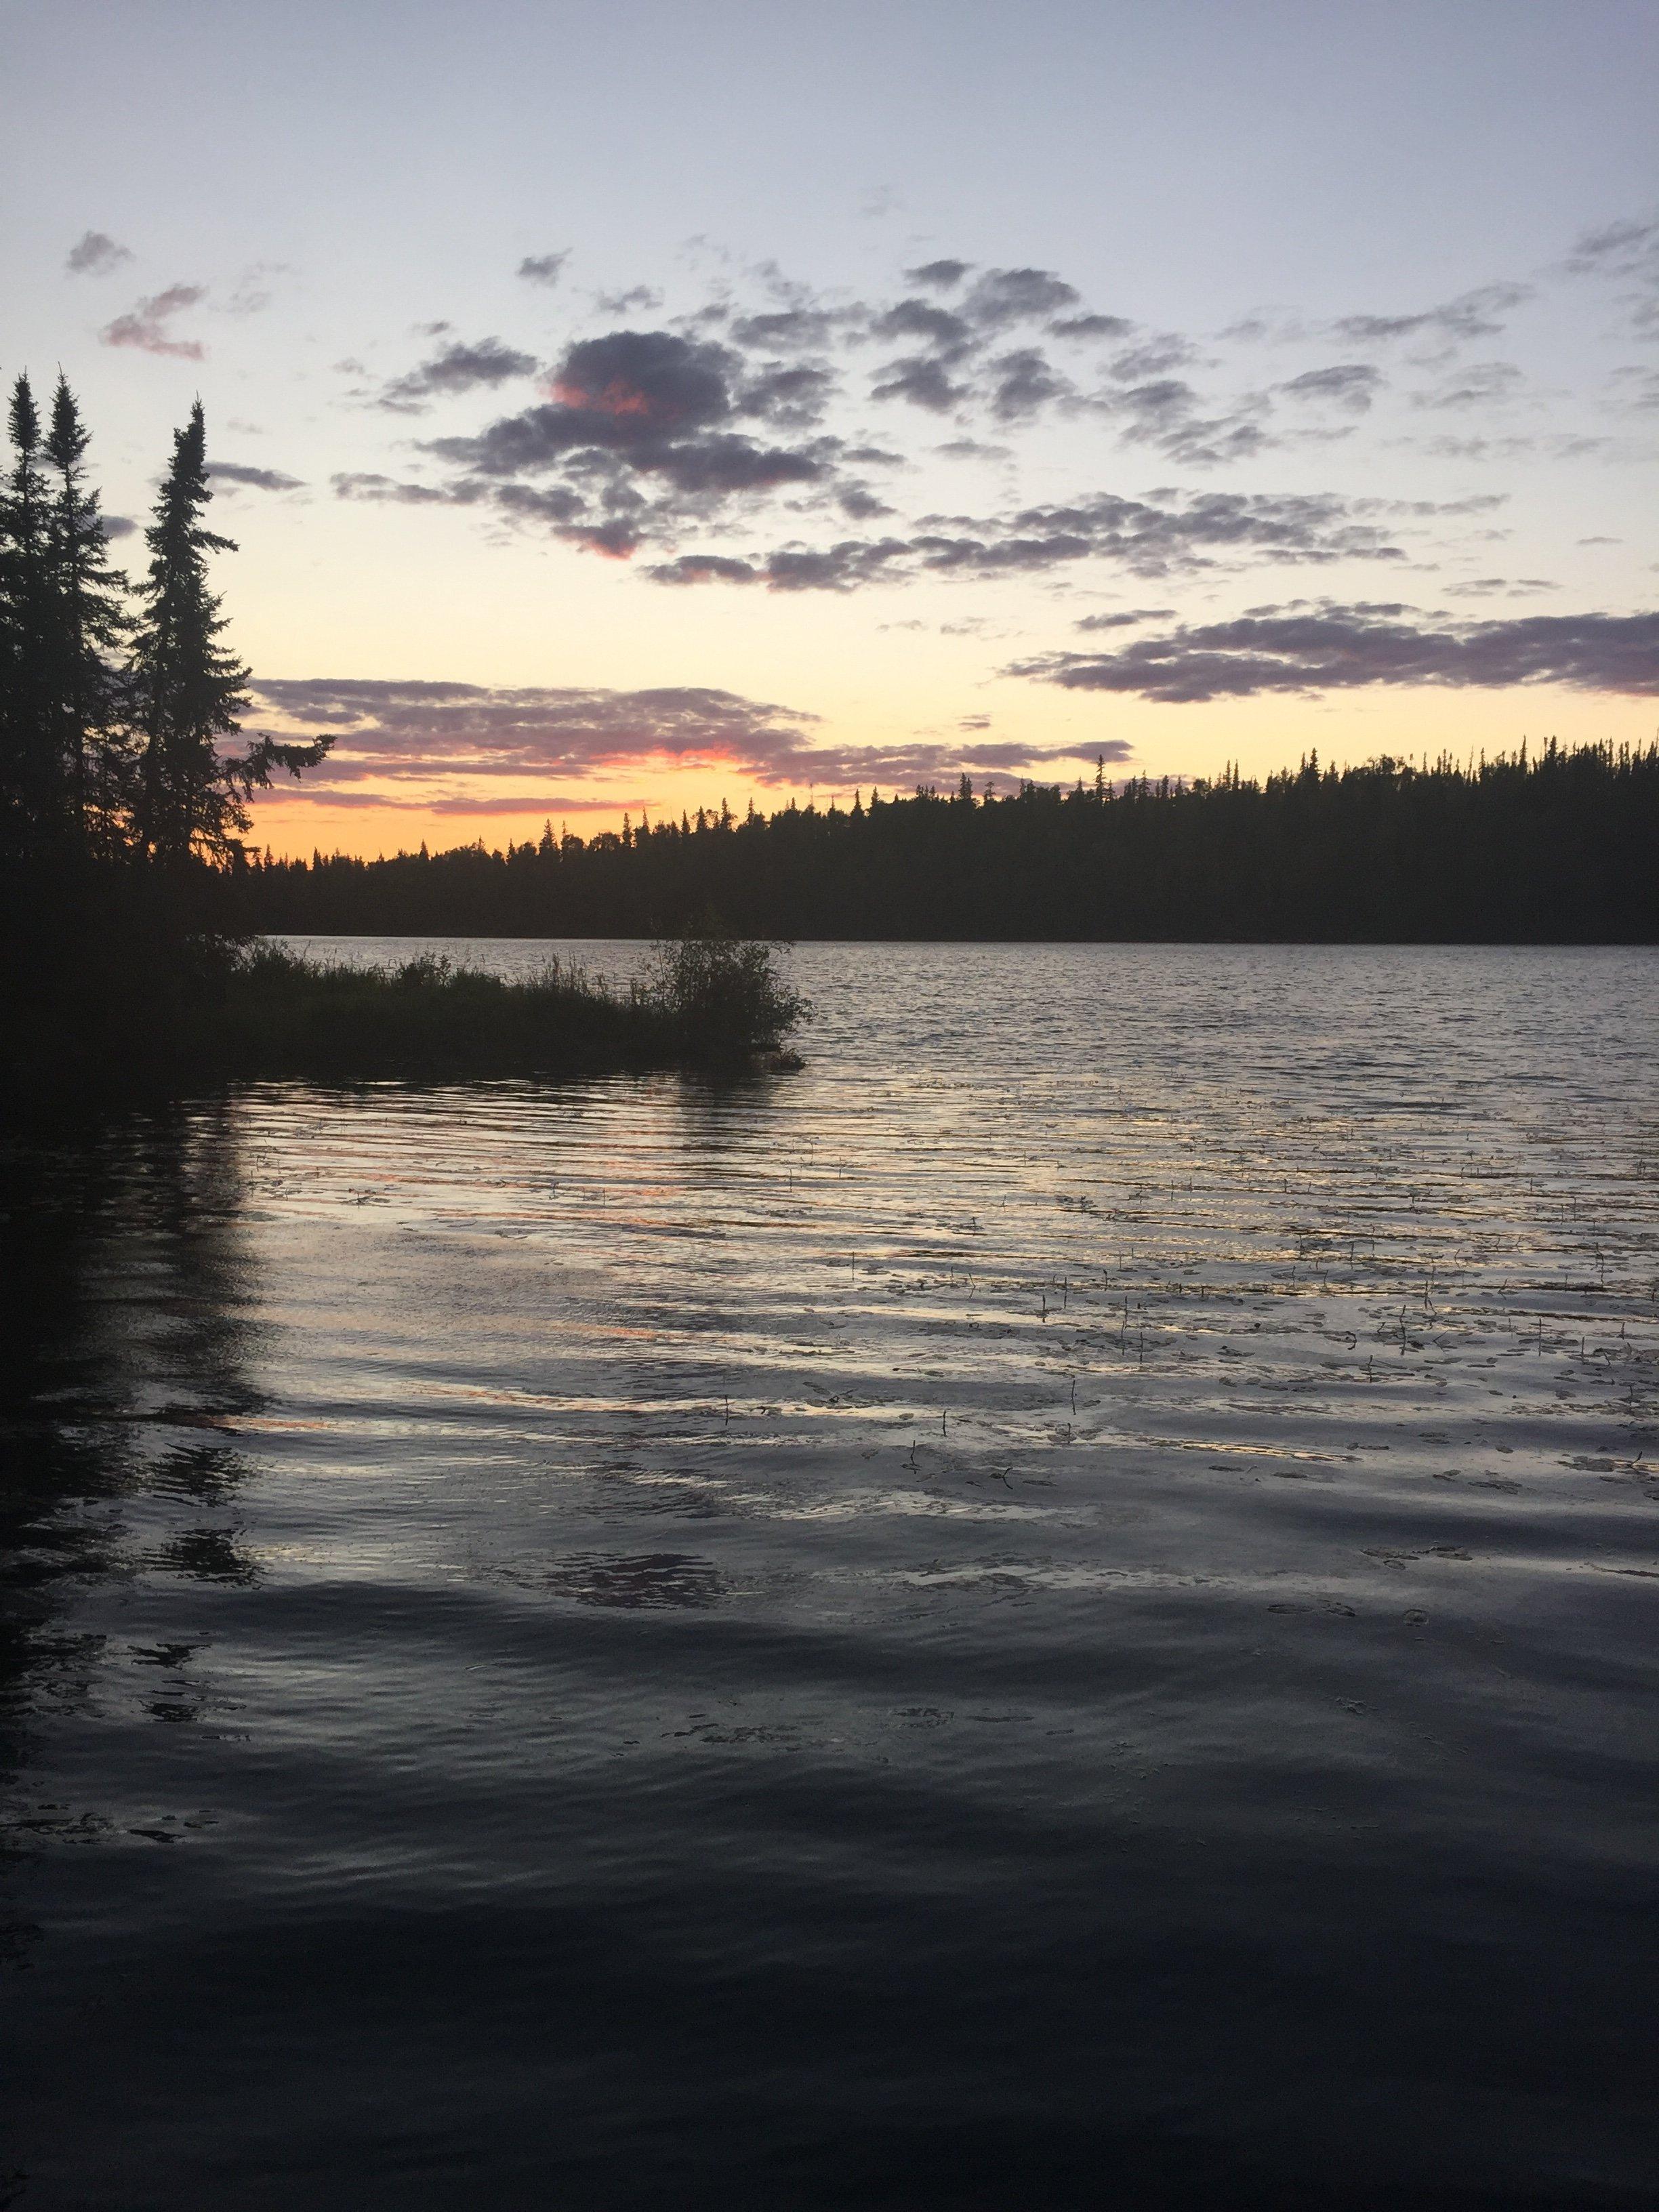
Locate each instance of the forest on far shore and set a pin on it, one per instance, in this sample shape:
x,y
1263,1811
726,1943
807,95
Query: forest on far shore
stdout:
x,y
1553,847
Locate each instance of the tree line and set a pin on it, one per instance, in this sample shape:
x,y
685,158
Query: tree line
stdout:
x,y
1551,846
116,700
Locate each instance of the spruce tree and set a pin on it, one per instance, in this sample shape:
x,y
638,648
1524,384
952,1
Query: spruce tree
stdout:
x,y
31,783
191,799
89,624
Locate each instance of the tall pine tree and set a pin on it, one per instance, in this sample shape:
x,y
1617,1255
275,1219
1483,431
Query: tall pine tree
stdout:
x,y
192,798
31,782
89,624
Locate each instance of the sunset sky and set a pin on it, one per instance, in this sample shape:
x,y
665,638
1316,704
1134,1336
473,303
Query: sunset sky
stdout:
x,y
641,406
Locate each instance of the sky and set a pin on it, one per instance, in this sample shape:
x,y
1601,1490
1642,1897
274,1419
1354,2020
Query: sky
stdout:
x,y
640,407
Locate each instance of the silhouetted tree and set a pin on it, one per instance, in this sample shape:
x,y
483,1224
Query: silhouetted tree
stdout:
x,y
192,797
89,625
31,779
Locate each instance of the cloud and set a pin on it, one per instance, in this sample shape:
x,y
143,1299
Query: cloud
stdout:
x,y
651,378
455,367
782,329
95,254
922,382
1624,248
1127,620
116,526
1330,647
949,365
1502,587
1091,326
950,337
1188,533
793,395
430,744
639,430
544,268
1635,387
144,326
1164,413
1153,357
625,302
1476,315
1022,384
1350,385
1483,384
238,472
939,276
1002,296
369,484
252,293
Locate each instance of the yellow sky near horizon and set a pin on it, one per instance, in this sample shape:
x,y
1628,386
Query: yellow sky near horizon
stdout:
x,y
1260,735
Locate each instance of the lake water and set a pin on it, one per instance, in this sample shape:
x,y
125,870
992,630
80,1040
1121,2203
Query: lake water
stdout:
x,y
1057,1609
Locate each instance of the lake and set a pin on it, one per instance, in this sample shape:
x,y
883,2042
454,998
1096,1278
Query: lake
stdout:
x,y
1058,1608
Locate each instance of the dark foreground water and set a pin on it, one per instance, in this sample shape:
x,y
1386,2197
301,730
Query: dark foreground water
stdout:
x,y
1057,1610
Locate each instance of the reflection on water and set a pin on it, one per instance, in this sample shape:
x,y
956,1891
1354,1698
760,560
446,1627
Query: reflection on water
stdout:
x,y
1057,1609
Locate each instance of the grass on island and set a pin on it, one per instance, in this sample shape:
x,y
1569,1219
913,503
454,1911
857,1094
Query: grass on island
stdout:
x,y
699,1000
140,1018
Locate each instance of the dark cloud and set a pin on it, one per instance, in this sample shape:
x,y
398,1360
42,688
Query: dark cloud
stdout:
x,y
720,464
922,380
1015,385
144,326
239,472
1198,531
1091,326
544,268
1164,414
365,484
1475,315
559,508
1330,647
783,330
638,436
95,254
939,276
950,337
646,381
116,526
1157,404
441,737
1127,620
793,396
1352,385
1002,296
706,569
1022,384
455,367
